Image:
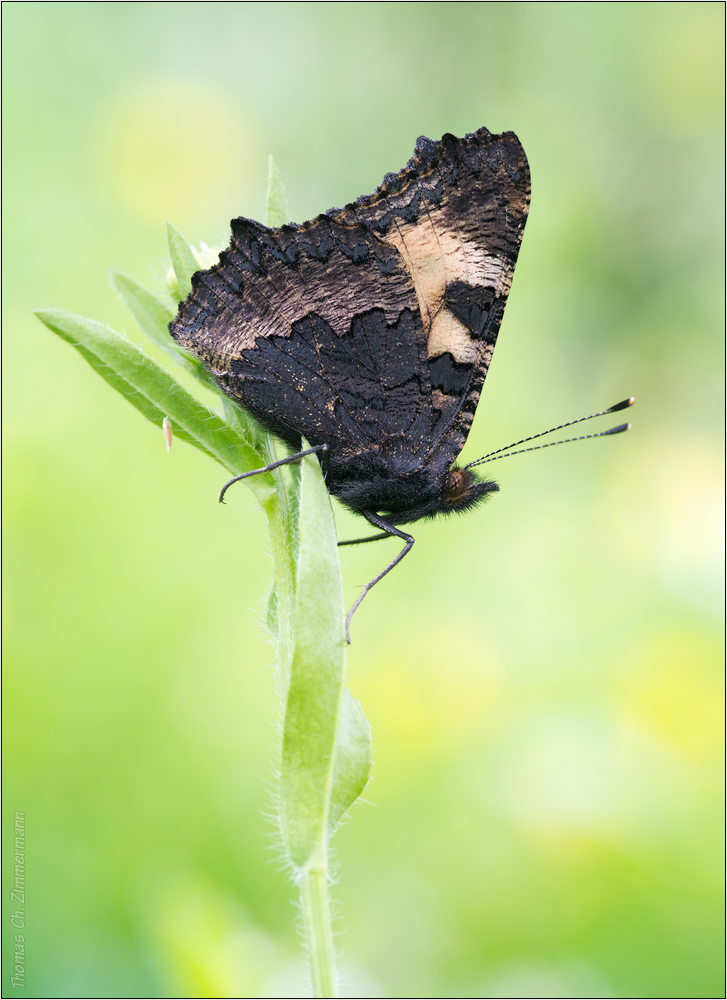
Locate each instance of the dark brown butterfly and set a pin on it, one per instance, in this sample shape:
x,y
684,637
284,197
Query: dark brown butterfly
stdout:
x,y
369,330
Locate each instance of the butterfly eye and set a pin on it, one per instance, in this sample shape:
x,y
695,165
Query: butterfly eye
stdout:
x,y
458,484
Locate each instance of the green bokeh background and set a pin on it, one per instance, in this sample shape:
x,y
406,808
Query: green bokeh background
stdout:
x,y
542,677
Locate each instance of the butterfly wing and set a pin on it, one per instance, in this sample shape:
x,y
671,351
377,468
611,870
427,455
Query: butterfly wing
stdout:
x,y
371,328
316,330
456,214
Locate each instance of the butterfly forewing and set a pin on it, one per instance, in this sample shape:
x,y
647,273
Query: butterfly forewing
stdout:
x,y
456,214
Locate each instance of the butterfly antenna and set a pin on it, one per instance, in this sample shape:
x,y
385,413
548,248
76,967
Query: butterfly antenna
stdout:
x,y
582,437
493,455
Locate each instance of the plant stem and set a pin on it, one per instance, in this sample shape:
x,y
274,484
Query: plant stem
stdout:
x,y
282,549
316,910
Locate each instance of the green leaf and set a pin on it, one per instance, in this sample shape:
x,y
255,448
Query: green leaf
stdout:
x,y
316,676
244,423
353,758
152,315
154,392
276,206
184,262
153,318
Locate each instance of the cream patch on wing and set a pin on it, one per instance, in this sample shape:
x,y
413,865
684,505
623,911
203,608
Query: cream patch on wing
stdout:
x,y
435,257
447,333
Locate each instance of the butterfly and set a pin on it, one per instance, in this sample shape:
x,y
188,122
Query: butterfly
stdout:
x,y
369,330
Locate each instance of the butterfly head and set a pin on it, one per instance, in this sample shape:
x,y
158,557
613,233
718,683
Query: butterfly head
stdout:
x,y
457,491
463,490
402,495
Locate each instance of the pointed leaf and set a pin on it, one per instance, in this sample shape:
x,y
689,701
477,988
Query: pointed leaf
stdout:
x,y
154,392
353,758
152,315
244,423
184,262
276,206
153,318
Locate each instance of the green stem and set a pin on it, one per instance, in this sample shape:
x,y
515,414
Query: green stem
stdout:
x,y
282,548
316,910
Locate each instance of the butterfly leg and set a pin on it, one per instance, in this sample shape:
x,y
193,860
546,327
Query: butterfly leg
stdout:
x,y
371,538
389,529
273,465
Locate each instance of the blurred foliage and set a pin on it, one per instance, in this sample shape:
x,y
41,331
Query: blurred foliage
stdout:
x,y
542,677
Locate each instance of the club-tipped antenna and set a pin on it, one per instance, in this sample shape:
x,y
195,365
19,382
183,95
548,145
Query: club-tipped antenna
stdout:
x,y
492,455
536,447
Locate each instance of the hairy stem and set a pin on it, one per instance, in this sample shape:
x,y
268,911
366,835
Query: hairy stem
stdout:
x,y
316,911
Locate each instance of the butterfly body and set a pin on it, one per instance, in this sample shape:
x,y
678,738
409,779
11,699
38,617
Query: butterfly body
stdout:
x,y
370,329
